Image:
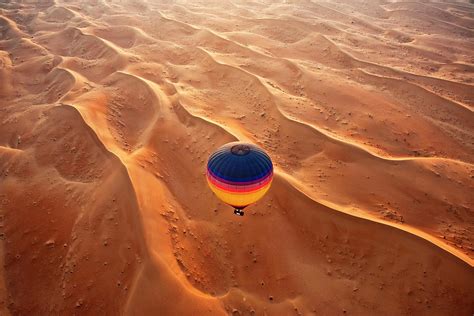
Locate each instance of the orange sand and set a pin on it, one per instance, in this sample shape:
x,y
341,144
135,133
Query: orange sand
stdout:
x,y
109,110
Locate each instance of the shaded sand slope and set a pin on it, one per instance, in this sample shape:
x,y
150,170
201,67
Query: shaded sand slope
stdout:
x,y
71,236
109,111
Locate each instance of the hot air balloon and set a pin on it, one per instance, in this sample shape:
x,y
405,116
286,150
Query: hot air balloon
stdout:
x,y
239,174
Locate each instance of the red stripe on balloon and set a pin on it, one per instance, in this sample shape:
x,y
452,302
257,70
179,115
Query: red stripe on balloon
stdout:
x,y
240,188
222,184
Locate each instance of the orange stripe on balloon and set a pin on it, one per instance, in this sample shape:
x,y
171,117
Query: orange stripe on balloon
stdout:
x,y
263,187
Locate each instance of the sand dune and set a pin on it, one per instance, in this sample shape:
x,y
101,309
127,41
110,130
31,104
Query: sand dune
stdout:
x,y
110,109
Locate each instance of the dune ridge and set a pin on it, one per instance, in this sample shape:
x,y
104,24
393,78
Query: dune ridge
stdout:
x,y
109,111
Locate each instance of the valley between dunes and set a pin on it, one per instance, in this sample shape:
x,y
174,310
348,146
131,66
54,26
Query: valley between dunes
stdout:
x,y
109,110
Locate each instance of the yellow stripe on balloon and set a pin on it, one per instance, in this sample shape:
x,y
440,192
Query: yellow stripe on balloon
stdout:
x,y
239,199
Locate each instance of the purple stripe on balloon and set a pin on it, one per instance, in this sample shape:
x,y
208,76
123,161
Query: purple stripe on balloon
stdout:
x,y
269,174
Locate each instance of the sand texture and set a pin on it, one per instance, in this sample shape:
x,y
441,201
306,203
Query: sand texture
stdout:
x,y
109,110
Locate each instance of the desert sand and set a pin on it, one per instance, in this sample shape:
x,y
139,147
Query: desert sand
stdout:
x,y
109,110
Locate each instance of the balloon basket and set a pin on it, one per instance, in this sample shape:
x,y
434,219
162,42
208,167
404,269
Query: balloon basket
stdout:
x,y
238,212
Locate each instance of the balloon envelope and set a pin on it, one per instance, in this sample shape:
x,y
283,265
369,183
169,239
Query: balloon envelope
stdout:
x,y
239,173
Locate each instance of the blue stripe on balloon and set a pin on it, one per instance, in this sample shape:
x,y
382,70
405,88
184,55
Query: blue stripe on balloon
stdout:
x,y
243,166
229,169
